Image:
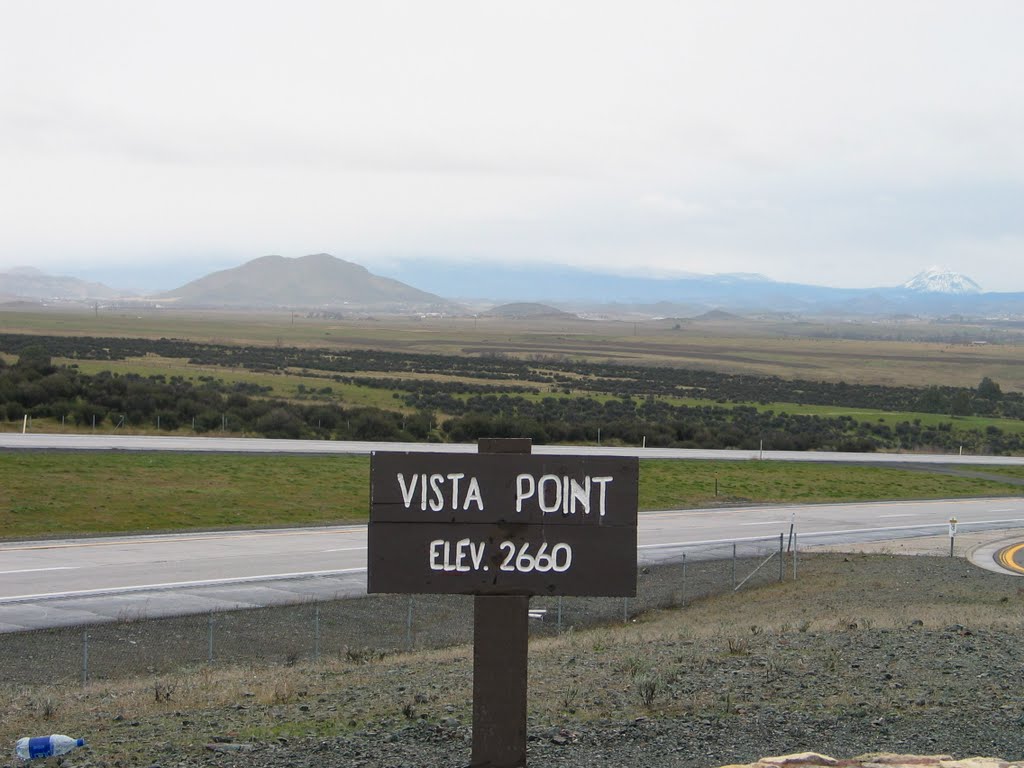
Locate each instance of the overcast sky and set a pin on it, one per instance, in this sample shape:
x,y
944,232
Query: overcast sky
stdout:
x,y
848,144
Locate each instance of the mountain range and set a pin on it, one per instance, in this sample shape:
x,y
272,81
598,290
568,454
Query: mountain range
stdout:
x,y
324,282
31,283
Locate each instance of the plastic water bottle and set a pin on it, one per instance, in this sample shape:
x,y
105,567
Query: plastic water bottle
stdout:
x,y
46,746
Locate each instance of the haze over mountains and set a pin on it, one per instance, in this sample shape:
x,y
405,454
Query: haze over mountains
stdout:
x,y
324,282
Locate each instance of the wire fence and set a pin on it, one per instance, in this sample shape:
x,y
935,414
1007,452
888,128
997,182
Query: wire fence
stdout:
x,y
363,627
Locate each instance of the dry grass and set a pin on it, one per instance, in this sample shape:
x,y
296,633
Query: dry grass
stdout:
x,y
647,667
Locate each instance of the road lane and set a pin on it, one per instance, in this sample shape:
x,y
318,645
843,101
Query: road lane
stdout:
x,y
35,441
188,573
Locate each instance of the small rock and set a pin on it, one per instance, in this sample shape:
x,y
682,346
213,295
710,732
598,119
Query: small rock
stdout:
x,y
800,758
230,747
895,759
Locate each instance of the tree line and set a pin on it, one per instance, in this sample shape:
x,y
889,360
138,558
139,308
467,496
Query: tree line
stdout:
x,y
510,373
632,414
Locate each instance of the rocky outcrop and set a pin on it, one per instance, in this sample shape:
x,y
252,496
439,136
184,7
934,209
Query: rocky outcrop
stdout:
x,y
878,760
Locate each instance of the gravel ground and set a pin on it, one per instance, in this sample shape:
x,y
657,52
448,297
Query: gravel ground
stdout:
x,y
864,653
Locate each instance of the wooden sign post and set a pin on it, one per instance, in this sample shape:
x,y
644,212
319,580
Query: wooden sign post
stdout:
x,y
502,524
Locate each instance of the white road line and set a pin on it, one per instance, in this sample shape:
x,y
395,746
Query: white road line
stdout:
x,y
178,585
907,514
37,570
764,522
346,549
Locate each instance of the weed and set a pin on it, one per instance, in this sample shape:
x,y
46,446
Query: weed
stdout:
x,y
647,688
163,690
634,665
738,646
284,690
362,655
570,694
47,708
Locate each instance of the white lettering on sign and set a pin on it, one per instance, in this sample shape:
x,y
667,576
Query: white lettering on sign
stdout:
x,y
437,492
464,555
563,494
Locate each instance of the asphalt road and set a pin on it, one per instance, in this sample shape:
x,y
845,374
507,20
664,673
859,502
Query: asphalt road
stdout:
x,y
15,441
1011,557
68,582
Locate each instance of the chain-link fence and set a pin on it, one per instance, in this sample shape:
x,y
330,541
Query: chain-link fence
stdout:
x,y
366,626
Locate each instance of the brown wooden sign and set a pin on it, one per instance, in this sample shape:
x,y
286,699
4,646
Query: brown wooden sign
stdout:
x,y
502,524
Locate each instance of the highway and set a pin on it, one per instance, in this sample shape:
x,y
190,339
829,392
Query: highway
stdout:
x,y
75,581
34,441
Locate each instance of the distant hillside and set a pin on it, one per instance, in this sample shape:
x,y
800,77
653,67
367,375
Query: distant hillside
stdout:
x,y
30,283
527,309
934,293
718,316
320,280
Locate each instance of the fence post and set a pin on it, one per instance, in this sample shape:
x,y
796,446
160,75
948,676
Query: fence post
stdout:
x,y
734,566
85,657
782,560
559,614
682,598
209,638
794,555
625,610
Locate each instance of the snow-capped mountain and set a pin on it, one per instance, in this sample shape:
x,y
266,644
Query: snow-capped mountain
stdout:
x,y
942,280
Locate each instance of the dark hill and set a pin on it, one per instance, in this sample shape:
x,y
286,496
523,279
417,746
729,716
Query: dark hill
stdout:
x,y
320,280
528,309
718,316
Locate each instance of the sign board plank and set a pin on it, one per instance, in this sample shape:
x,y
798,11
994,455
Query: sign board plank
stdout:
x,y
503,524
501,559
499,488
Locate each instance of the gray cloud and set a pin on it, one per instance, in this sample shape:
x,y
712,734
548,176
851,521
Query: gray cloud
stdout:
x,y
813,141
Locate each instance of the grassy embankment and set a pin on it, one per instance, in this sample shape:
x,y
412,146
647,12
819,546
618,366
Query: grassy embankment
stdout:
x,y
47,494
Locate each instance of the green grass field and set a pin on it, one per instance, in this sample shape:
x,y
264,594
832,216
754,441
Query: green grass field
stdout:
x,y
882,353
67,493
1016,472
